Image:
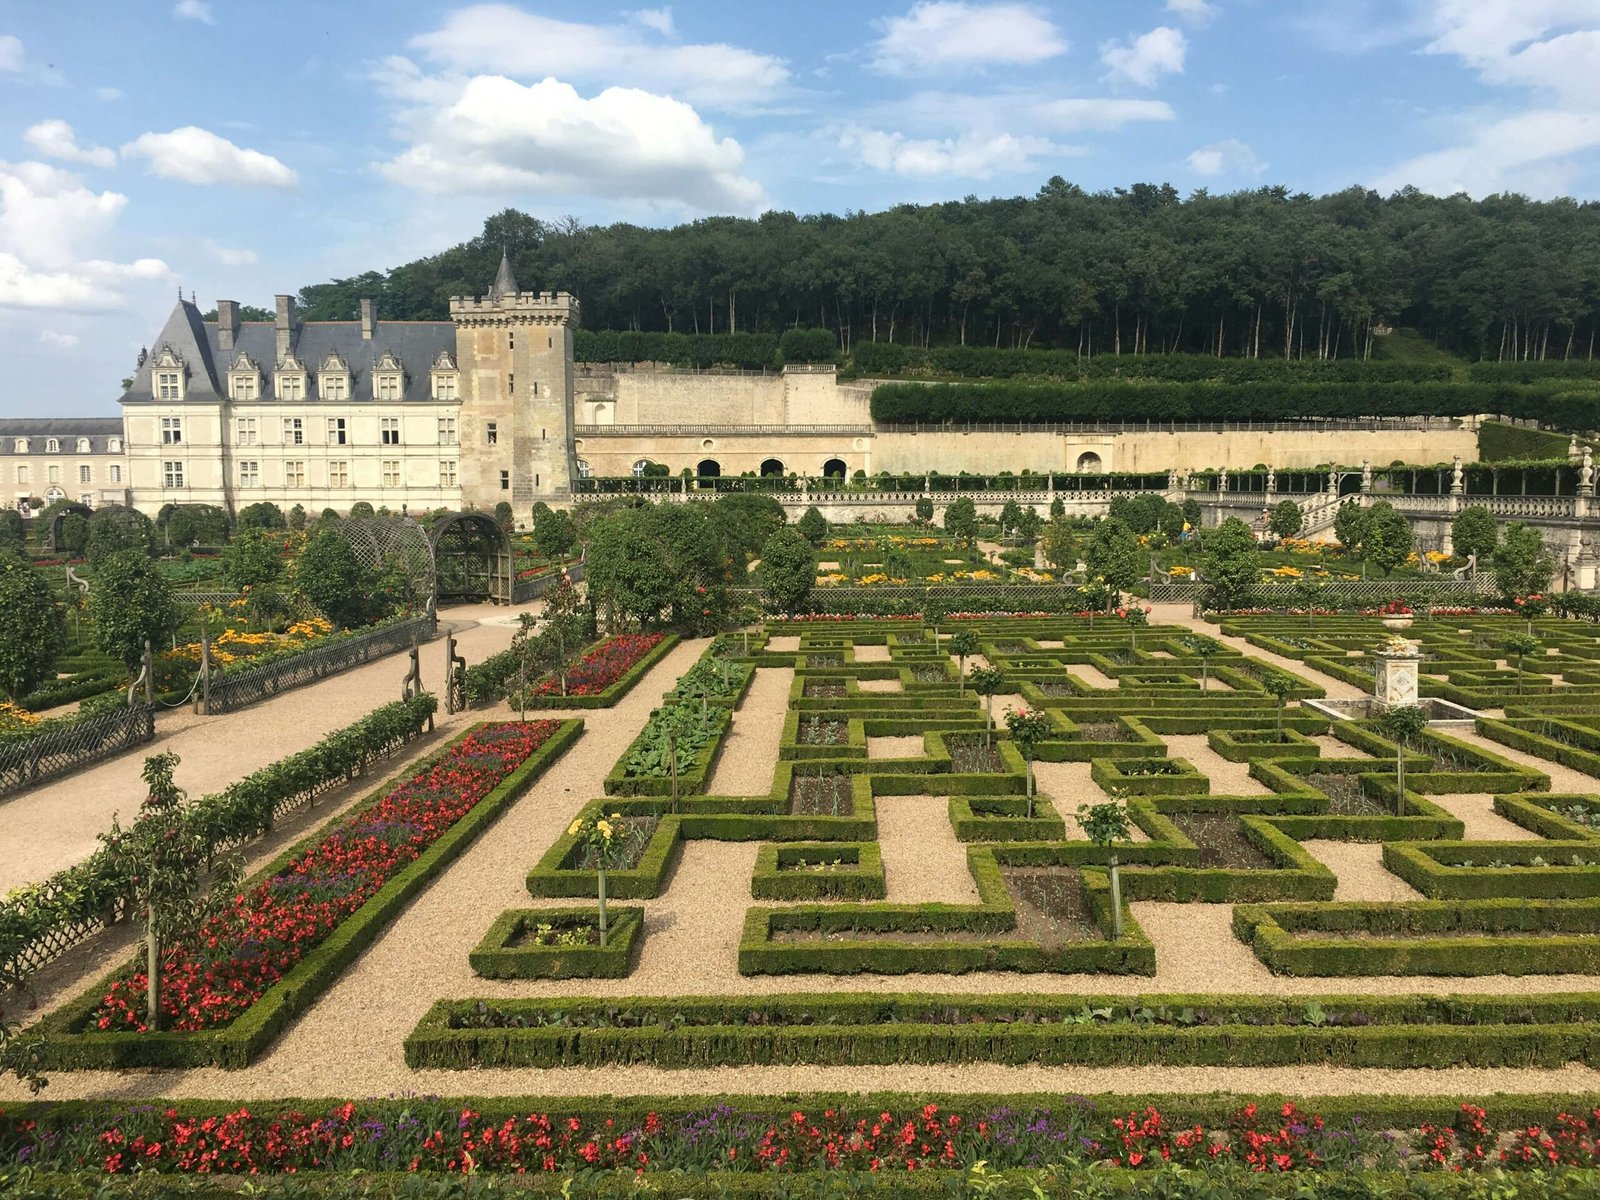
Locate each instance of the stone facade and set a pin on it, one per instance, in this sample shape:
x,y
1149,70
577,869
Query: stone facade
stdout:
x,y
75,458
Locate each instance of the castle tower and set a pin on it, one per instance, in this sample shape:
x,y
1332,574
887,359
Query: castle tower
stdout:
x,y
514,351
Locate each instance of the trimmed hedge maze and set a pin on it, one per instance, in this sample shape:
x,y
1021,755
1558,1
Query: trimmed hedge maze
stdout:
x,y
879,708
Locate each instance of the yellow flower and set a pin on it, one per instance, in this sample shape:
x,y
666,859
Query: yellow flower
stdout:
x,y
603,827
572,830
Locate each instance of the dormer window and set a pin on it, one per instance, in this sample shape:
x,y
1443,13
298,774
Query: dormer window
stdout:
x,y
388,377
289,382
22,446
114,446
52,446
386,387
167,375
446,379
83,445
333,378
244,379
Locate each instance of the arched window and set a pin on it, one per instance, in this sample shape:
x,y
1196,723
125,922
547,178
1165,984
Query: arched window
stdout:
x,y
772,466
83,445
583,469
709,468
54,494
114,446
52,446
640,467
835,468
1089,463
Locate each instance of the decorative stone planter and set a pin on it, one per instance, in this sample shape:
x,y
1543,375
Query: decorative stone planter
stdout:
x,y
1396,624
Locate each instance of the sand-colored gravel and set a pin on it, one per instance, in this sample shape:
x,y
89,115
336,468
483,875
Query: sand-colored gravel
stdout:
x,y
872,654
1332,747
923,863
884,686
1562,778
910,746
1362,875
786,644
751,749
1481,823
1227,778
1091,676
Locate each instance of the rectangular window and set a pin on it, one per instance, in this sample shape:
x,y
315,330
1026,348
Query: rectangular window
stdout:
x,y
336,431
244,387
492,432
247,431
505,481
291,387
53,473
22,474
388,387
389,431
447,473
249,474
339,474
294,431
391,472
85,473
335,387
444,387
535,387
116,473
171,431
447,431
172,474
511,384
168,386
294,473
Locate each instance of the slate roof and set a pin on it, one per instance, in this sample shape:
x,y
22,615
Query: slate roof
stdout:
x,y
99,430
415,343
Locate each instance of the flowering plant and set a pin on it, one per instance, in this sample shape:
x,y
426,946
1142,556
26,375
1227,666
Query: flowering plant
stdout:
x,y
602,666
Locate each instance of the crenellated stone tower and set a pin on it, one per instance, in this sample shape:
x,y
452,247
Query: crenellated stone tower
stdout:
x,y
514,352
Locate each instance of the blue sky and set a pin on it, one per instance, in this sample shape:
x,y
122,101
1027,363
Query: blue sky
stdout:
x,y
239,150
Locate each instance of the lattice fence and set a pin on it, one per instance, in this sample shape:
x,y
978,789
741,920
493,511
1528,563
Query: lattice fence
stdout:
x,y
57,752
531,589
251,686
999,597
1278,594
215,599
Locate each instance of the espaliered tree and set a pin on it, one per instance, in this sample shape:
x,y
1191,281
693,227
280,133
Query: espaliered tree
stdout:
x,y
988,682
1028,727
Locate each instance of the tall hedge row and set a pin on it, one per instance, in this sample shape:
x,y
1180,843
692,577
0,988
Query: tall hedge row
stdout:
x,y
744,351
1106,400
989,362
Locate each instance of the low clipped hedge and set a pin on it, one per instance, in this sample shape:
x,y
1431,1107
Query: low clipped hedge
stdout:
x,y
780,873
1005,819
1177,778
1245,745
1530,736
1460,870
1467,937
498,956
620,782
1169,1030
62,1047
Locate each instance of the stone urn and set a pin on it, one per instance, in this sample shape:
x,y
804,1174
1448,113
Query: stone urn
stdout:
x,y
1397,622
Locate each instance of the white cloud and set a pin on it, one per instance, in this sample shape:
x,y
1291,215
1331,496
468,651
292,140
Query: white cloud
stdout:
x,y
659,19
1147,57
197,155
49,224
944,35
55,139
498,39
1525,153
54,337
193,10
108,93
1198,11
1102,114
499,136
969,156
12,57
229,257
1228,157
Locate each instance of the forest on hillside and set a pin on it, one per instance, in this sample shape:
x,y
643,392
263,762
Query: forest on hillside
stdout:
x,y
1142,270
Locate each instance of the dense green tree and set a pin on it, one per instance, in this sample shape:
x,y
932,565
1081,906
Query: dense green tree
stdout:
x,y
328,576
1287,520
660,563
1060,545
115,529
297,517
961,520
1523,565
1058,508
1473,531
744,521
32,633
1029,523
554,534
1350,524
189,525
814,525
130,603
13,535
788,571
923,509
1387,542
266,515
1230,571
1113,555
504,516
74,536
253,558
360,508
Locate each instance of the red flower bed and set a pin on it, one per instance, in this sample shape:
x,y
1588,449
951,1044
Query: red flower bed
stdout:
x,y
213,976
602,666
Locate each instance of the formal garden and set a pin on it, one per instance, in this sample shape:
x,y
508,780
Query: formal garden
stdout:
x,y
711,891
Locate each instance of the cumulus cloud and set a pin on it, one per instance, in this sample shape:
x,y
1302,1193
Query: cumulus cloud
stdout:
x,y
193,10
196,155
944,35
12,58
228,256
969,156
55,139
659,19
500,136
1146,58
49,223
1198,12
1529,152
54,337
1228,157
1102,114
501,40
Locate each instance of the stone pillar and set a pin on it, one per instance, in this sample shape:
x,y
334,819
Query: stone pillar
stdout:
x,y
1222,482
1396,682
1333,482
1366,478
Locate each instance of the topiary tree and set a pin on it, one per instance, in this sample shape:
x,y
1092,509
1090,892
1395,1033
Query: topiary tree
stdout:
x,y
924,510
788,571
1230,573
1105,824
554,533
1309,594
1280,687
1058,508
1474,532
1113,555
1521,645
1401,723
1205,649
13,535
253,558
988,682
963,644
328,516
329,577
1060,545
1028,728
362,508
961,520
1522,564
1350,525
813,525
74,536
33,631
1387,542
264,514
504,516
130,603
297,518
1286,520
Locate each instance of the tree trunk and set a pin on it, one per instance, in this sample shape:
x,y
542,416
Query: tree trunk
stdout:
x,y
1116,900
602,875
152,966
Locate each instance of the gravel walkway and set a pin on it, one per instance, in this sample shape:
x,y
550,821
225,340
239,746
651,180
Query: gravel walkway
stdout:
x,y
745,766
1362,875
55,825
1482,823
1227,778
1562,779
923,863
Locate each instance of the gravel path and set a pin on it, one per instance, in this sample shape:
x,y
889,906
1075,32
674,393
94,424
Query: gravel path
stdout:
x,y
745,766
1562,779
1332,747
1069,784
872,654
1362,875
909,746
1482,823
923,863
1091,676
55,825
1227,778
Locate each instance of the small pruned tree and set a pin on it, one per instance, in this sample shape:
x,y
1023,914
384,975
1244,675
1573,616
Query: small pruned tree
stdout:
x,y
130,604
961,520
1029,522
1521,645
1028,727
1205,649
600,840
988,682
1113,556
554,533
923,510
1280,687
266,515
788,571
253,558
1401,723
32,633
1060,545
1388,540
814,525
1230,565
1522,564
1350,525
1105,824
963,645
329,577
1474,532
1287,520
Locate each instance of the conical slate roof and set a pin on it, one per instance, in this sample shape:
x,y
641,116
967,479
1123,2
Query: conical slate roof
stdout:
x,y
505,283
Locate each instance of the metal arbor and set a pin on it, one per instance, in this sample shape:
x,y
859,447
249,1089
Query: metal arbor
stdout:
x,y
68,509
396,547
472,558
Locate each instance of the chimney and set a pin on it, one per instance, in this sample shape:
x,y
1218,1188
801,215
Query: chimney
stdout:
x,y
227,323
285,326
369,318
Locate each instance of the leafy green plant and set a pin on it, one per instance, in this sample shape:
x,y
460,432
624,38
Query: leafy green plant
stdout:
x,y
963,645
986,682
1105,825
602,838
1028,728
